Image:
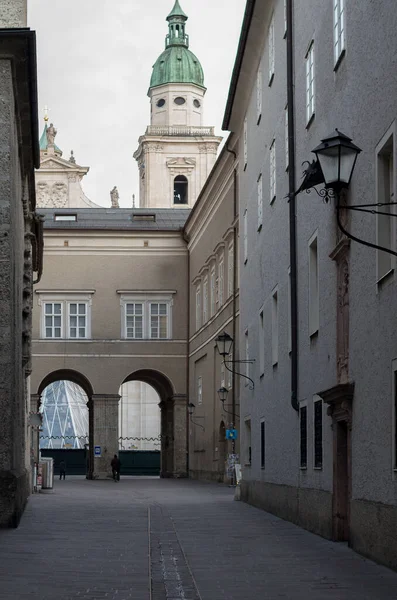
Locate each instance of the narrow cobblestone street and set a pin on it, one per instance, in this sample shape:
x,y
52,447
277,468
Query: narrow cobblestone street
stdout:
x,y
93,540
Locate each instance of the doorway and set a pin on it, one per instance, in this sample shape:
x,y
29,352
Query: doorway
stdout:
x,y
341,482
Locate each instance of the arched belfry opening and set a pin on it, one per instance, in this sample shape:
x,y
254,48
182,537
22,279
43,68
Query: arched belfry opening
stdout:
x,y
181,190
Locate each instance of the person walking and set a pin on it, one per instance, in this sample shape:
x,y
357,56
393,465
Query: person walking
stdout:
x,y
115,464
62,469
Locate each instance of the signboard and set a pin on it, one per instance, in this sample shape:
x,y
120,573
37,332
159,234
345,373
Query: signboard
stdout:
x,y
97,451
231,434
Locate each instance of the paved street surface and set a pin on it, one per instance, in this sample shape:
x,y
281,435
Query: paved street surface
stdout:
x,y
151,539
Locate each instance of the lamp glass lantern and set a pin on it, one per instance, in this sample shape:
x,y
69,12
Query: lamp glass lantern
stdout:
x,y
224,344
337,156
222,393
190,408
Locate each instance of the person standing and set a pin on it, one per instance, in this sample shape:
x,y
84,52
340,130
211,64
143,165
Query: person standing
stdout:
x,y
62,469
115,464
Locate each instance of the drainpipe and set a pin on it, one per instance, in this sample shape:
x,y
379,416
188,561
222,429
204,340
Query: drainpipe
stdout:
x,y
186,239
292,207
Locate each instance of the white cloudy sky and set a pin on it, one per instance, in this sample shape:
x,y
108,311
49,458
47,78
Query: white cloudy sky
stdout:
x,y
94,64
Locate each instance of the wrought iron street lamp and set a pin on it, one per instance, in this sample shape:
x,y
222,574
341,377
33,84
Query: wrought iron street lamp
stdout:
x,y
222,393
224,343
191,408
337,156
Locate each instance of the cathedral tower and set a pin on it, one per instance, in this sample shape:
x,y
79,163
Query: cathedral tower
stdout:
x,y
177,152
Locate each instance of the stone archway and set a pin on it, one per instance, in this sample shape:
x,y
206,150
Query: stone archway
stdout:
x,y
85,384
173,422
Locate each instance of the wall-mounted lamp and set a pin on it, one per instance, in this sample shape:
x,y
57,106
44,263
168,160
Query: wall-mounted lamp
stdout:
x,y
222,393
191,408
224,343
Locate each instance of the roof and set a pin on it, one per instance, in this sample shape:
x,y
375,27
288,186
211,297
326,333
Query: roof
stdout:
x,y
177,64
177,11
115,219
249,11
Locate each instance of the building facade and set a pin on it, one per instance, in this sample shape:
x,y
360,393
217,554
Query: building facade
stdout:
x,y
20,253
318,432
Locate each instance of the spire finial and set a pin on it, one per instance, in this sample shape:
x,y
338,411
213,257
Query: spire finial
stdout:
x,y
46,113
72,158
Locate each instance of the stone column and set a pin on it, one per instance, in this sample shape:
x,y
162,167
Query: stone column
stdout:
x,y
13,13
106,432
180,436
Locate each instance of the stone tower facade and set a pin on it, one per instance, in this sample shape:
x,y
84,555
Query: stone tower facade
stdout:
x,y
177,152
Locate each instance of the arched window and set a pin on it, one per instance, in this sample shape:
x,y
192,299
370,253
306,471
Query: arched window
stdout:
x,y
180,190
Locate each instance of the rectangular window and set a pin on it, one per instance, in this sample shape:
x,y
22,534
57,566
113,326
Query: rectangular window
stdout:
x,y
245,233
310,89
262,444
394,427
318,433
247,431
259,95
223,382
53,319
158,321
339,30
260,202
286,139
199,390
385,225
205,300
271,51
247,355
314,308
273,172
198,307
78,320
212,292
230,268
275,327
134,320
65,218
285,18
289,311
221,280
261,344
229,372
245,143
303,437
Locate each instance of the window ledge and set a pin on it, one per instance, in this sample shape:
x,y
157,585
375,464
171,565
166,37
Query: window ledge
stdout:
x,y
247,464
303,468
271,79
317,468
310,121
260,227
340,58
259,119
272,200
386,277
313,335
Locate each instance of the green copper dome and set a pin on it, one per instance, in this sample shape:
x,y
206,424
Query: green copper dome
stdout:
x,y
177,64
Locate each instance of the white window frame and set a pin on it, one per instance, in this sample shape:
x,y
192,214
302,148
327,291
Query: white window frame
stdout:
x,y
339,31
286,139
151,303
205,299
260,201
285,18
199,390
271,41
313,287
230,269
65,299
310,84
198,306
221,279
245,235
146,300
245,143
134,315
385,176
247,355
259,95
261,341
272,161
275,326
212,292
289,311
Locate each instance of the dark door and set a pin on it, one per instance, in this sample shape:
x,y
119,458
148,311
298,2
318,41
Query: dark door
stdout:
x,y
341,482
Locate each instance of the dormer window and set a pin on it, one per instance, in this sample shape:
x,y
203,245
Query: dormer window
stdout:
x,y
180,189
160,103
179,100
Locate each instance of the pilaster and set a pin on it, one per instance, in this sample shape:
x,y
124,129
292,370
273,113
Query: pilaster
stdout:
x,y
106,432
179,402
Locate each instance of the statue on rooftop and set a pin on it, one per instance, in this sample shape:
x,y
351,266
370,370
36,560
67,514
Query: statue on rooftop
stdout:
x,y
51,133
114,196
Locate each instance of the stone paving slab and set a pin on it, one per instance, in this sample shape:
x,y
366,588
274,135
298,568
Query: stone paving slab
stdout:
x,y
90,540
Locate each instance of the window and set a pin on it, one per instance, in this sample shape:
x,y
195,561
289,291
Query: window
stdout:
x,y
245,233
196,103
260,202
212,292
221,279
205,300
158,321
199,390
134,320
180,190
146,318
314,308
271,50
394,417
318,433
262,444
310,90
230,268
198,307
385,232
245,143
65,218
179,100
259,95
261,344
285,18
289,311
247,355
339,30
286,139
223,382
65,319
247,431
229,372
303,437
273,171
275,327
160,103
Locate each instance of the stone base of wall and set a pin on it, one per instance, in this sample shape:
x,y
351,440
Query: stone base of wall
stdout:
x,y
307,507
14,492
206,475
373,531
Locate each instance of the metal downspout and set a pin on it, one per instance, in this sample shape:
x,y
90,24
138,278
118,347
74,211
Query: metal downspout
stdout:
x,y
292,208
